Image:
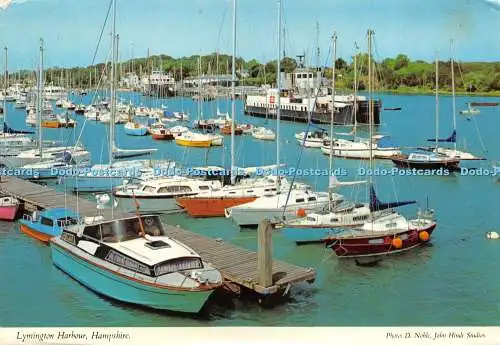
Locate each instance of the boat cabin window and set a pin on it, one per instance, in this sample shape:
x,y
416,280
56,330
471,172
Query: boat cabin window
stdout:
x,y
313,198
390,225
175,189
46,221
359,218
299,200
311,219
149,189
124,229
67,221
178,264
334,220
204,187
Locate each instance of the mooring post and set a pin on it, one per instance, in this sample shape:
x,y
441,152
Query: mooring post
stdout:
x,y
265,253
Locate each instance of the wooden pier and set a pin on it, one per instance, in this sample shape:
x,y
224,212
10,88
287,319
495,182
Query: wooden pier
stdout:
x,y
243,270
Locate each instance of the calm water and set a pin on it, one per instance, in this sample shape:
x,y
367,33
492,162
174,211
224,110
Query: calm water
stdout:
x,y
453,282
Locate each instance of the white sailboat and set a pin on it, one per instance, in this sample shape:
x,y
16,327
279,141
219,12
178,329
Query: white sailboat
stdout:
x,y
96,179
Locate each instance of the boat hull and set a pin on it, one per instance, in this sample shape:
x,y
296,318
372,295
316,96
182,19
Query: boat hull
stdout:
x,y
211,207
41,236
250,218
304,235
193,143
104,281
8,212
136,131
450,164
378,244
148,205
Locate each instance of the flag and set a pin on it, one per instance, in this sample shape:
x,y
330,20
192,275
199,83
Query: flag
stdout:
x,y
4,4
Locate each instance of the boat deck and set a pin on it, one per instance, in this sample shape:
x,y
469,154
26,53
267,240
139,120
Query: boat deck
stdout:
x,y
239,266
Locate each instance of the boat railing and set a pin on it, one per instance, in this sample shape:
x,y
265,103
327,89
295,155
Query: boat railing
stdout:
x,y
28,218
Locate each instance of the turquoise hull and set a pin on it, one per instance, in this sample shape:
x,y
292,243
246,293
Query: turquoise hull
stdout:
x,y
304,235
126,290
136,131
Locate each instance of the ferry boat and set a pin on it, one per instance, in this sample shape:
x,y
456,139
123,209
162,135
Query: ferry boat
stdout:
x,y
133,261
47,224
8,207
296,101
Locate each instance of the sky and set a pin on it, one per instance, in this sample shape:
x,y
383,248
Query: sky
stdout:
x,y
417,28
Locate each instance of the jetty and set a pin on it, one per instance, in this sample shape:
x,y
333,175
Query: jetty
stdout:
x,y
243,270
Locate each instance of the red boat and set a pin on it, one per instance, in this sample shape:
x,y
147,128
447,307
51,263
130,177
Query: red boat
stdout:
x,y
161,134
365,242
386,232
8,208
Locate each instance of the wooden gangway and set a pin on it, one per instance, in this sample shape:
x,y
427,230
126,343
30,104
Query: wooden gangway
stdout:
x,y
241,268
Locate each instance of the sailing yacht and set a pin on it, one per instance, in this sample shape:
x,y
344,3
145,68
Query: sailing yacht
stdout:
x,y
312,139
386,231
237,190
434,158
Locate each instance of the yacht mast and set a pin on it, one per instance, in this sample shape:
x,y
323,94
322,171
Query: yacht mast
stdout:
x,y
334,58
233,95
370,103
113,89
453,94
6,82
40,100
278,85
437,101
355,104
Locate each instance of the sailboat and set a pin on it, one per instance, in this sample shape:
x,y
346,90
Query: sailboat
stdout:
x,y
359,148
433,159
470,110
100,176
386,231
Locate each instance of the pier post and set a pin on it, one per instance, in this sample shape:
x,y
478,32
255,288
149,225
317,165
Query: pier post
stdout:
x,y
264,253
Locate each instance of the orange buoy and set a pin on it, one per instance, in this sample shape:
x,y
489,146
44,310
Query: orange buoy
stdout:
x,y
423,236
301,213
397,242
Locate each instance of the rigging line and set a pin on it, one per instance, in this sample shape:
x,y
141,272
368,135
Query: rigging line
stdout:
x,y
102,31
479,135
305,136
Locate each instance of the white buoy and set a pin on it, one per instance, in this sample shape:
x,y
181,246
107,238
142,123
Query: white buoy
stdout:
x,y
492,235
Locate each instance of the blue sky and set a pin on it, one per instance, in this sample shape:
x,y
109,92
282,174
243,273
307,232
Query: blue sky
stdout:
x,y
417,28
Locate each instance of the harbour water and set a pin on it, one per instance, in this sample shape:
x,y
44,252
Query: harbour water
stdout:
x,y
453,281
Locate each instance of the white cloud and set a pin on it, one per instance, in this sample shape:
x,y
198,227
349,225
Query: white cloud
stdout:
x,y
6,3
493,3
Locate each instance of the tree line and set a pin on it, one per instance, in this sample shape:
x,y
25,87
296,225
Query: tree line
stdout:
x,y
391,74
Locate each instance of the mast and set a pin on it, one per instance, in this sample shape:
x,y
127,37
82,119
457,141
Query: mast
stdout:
x,y
437,101
233,96
5,88
39,99
453,94
113,89
355,104
370,103
334,58
278,85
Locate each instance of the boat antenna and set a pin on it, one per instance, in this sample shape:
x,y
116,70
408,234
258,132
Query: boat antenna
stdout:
x,y
334,58
137,213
